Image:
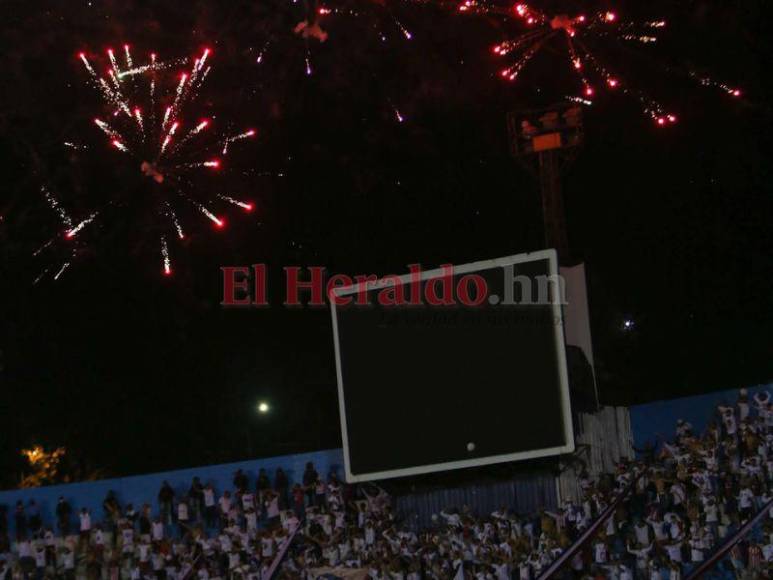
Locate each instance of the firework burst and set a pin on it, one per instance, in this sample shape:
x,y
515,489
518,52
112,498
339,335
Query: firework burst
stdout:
x,y
576,34
381,19
302,38
150,123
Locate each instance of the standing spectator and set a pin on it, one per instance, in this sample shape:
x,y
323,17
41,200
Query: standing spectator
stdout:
x,y
165,501
183,516
298,500
39,553
281,485
743,405
130,515
26,558
20,519
240,481
310,478
320,491
157,530
85,526
145,523
210,508
34,520
196,500
5,540
63,514
225,508
271,504
67,562
262,485
111,511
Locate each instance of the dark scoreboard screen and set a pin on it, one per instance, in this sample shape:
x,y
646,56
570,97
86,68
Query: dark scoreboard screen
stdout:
x,y
452,368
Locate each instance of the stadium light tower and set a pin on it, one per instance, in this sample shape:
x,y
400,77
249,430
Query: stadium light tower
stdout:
x,y
546,141
551,137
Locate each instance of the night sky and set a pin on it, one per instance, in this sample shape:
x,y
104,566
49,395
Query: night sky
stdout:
x,y
136,372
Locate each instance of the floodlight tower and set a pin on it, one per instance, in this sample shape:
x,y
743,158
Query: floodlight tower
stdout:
x,y
551,137
546,141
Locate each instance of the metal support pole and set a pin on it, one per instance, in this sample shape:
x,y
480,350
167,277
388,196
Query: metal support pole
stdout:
x,y
578,545
553,204
727,546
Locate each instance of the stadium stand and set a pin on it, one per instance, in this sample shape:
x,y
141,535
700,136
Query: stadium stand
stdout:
x,y
695,502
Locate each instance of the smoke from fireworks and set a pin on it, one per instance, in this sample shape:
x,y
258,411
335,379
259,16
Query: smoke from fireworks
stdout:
x,y
164,145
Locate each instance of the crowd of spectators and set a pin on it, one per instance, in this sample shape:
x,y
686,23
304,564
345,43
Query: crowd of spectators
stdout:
x,y
672,508
685,498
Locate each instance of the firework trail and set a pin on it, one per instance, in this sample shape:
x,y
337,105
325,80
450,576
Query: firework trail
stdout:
x,y
318,11
377,18
380,17
54,245
576,34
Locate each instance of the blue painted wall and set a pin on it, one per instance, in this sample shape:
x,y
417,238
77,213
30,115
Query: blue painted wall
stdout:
x,y
659,418
647,421
141,489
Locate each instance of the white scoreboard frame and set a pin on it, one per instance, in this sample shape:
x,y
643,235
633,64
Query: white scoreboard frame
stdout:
x,y
471,268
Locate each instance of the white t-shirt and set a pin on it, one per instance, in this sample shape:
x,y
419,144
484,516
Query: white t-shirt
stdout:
x,y
502,571
331,555
674,551
696,550
209,497
600,553
642,533
158,562
267,546
678,493
524,571
127,535
40,557
85,521
712,513
157,531
25,549
659,528
745,498
272,507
